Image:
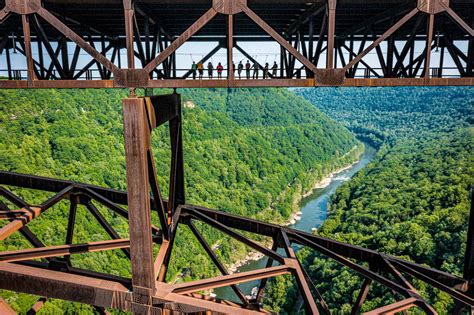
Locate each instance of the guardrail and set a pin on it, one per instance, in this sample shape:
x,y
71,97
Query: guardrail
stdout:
x,y
187,74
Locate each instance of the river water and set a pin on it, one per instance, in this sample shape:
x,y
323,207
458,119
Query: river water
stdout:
x,y
314,210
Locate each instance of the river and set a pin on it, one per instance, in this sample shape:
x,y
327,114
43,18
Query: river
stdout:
x,y
314,210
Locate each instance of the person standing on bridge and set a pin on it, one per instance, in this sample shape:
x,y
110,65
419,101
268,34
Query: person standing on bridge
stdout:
x,y
210,69
255,70
193,69
265,71
200,68
239,71
274,69
220,68
247,69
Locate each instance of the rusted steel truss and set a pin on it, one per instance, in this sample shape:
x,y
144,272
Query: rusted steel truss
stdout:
x,y
147,291
311,55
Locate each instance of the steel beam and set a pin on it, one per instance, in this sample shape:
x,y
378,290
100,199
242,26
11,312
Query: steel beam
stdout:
x,y
66,31
339,251
267,28
331,13
263,282
203,60
426,277
37,306
98,292
389,32
305,291
137,143
6,309
361,297
104,224
230,47
226,280
16,224
429,40
458,19
359,269
3,14
196,26
216,261
60,285
394,308
176,184
29,56
62,250
249,57
205,304
43,38
12,214
280,82
157,200
306,17
238,236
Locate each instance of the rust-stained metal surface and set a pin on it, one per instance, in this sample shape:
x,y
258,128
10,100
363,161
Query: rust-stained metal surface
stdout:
x,y
5,308
328,41
147,291
80,44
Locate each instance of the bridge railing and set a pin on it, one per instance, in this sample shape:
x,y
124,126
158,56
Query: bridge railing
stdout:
x,y
186,74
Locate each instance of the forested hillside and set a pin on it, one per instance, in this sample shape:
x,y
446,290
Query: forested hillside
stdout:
x,y
412,201
382,115
249,152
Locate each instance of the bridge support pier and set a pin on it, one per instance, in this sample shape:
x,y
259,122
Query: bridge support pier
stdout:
x,y
137,144
141,116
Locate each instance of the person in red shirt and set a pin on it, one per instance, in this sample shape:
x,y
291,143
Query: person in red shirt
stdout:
x,y
220,68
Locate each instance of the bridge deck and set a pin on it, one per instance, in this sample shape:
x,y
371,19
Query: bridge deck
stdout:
x,y
332,43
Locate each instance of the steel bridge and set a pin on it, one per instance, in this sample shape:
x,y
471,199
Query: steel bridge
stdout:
x,y
80,44
323,42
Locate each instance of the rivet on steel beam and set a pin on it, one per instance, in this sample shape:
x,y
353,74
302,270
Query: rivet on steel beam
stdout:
x,y
333,77
228,7
432,6
131,78
23,6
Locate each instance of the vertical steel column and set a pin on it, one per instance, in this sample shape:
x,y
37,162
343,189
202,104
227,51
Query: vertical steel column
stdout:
x,y
176,185
173,64
40,58
441,62
282,61
230,46
9,64
412,58
129,13
65,56
176,190
137,143
470,57
147,40
429,40
390,54
310,39
29,57
331,26
73,199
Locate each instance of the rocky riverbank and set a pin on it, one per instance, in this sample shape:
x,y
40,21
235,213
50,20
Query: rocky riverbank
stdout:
x,y
319,184
327,180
